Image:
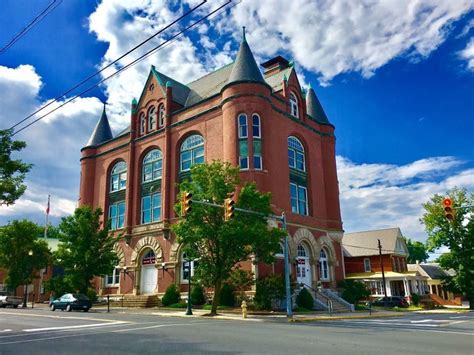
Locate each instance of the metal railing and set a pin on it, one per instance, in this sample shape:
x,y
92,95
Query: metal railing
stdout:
x,y
327,305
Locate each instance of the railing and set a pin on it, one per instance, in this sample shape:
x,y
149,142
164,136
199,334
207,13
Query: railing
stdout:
x,y
328,306
335,296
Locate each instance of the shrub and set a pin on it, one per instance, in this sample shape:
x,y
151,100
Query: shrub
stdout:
x,y
91,294
227,297
171,296
415,298
178,305
197,295
269,290
354,291
304,299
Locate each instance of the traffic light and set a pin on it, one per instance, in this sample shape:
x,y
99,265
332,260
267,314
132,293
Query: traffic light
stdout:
x,y
448,208
229,209
186,202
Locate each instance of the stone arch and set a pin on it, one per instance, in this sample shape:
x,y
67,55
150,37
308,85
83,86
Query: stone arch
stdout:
x,y
305,236
326,242
145,243
120,254
174,252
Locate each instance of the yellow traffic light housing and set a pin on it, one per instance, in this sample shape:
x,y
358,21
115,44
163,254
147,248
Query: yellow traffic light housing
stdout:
x,y
448,208
228,209
186,202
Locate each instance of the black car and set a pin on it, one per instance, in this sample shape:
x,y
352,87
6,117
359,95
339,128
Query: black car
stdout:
x,y
71,301
393,301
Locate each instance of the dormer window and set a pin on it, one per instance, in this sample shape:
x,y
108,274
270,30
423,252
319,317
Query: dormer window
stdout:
x,y
151,118
142,124
294,105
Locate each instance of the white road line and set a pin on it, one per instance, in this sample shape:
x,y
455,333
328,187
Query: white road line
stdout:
x,y
5,330
458,317
56,317
72,327
156,326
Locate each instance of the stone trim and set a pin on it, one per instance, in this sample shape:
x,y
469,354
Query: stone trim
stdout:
x,y
144,243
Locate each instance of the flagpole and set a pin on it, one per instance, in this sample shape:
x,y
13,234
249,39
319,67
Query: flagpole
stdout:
x,y
47,219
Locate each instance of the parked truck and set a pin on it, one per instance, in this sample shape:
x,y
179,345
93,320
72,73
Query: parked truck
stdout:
x,y
6,299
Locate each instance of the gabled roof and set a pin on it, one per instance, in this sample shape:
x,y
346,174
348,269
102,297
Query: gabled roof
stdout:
x,y
431,270
102,131
314,107
180,91
276,80
366,243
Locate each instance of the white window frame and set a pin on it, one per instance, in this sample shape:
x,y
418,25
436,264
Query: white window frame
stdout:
x,y
152,208
367,266
152,118
294,110
119,174
242,126
115,220
296,148
156,164
115,278
192,149
324,273
142,121
298,187
258,126
161,115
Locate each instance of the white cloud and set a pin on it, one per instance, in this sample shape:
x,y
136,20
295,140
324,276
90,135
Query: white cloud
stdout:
x,y
468,54
377,196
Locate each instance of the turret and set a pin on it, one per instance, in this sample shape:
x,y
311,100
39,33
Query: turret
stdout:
x,y
102,131
314,108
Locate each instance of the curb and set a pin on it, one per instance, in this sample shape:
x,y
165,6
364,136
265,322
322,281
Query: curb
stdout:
x,y
312,319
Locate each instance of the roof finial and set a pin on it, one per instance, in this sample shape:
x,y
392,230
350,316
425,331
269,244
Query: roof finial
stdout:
x,y
243,34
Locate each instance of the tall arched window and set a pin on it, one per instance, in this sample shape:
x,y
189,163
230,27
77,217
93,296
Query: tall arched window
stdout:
x,y
323,265
161,115
243,126
302,251
296,158
256,131
151,118
152,166
192,152
243,142
142,123
294,105
118,177
257,143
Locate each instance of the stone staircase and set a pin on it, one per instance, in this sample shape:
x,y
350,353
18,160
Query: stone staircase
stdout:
x,y
131,301
327,300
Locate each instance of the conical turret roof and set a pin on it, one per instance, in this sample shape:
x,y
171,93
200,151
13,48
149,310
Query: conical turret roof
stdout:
x,y
314,108
245,68
102,131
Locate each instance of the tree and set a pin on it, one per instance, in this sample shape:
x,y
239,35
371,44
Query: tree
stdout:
x,y
22,253
354,291
85,249
220,245
12,172
417,251
457,235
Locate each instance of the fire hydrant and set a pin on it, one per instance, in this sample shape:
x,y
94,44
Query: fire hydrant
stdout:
x,y
244,309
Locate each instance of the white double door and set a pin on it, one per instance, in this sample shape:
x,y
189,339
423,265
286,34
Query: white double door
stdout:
x,y
149,277
303,271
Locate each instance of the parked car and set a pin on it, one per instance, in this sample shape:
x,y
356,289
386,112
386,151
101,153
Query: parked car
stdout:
x,y
71,301
7,299
393,301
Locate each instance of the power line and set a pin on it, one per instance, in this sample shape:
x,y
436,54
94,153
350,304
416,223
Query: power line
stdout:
x,y
129,65
50,8
108,65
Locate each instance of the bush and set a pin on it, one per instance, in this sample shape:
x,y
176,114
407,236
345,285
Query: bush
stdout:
x,y
197,295
415,298
171,296
353,291
91,294
178,305
227,297
269,291
304,299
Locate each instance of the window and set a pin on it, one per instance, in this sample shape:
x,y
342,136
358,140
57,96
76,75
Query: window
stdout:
x,y
152,166
323,265
149,258
367,267
299,201
161,115
296,158
243,154
302,251
151,208
142,124
151,118
117,215
192,152
113,279
187,268
294,105
243,126
118,178
256,131
375,287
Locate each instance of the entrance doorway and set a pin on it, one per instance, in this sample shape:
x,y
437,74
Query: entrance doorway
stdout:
x,y
149,273
303,269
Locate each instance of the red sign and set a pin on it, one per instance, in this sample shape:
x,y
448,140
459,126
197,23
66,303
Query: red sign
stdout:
x,y
148,261
301,261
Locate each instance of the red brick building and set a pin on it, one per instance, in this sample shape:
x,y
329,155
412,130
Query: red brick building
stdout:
x,y
267,124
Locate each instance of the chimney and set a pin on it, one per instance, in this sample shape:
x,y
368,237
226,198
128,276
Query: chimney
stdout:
x,y
274,66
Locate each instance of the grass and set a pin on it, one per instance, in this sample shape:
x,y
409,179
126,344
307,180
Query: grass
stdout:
x,y
208,307
177,305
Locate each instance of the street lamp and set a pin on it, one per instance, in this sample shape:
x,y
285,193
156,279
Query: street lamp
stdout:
x,y
189,308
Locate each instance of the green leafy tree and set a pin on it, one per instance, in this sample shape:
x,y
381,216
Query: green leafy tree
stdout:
x,y
457,235
12,172
220,245
85,249
417,251
22,252
304,299
354,291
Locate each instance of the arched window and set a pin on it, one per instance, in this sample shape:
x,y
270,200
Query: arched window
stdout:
x,y
142,123
113,279
243,142
187,268
192,152
151,118
323,265
161,115
281,252
152,166
149,258
257,143
243,126
294,105
296,158
118,177
256,131
302,251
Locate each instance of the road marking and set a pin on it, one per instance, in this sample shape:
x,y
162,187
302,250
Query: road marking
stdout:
x,y
156,326
57,317
458,317
73,327
5,330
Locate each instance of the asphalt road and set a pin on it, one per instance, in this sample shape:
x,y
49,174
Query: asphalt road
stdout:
x,y
43,332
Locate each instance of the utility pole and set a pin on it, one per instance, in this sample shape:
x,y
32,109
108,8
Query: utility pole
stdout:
x,y
383,274
289,305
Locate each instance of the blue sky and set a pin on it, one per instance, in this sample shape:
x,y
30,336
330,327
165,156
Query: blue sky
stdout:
x,y
395,78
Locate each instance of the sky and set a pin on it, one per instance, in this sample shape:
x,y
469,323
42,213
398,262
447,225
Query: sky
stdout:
x,y
396,79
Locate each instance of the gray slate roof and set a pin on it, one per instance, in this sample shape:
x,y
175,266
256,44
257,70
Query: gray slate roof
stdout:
x,y
431,270
314,108
366,244
102,131
245,67
180,91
